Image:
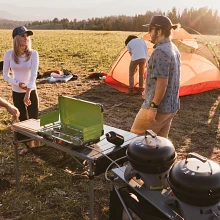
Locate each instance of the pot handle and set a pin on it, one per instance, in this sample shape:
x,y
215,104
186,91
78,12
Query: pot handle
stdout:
x,y
153,135
201,158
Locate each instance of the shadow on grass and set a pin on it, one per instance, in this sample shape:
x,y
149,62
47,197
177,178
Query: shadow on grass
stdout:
x,y
196,126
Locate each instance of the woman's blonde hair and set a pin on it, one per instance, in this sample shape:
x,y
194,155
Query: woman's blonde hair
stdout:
x,y
16,49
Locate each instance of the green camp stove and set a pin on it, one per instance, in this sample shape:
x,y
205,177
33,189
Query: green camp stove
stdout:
x,y
76,123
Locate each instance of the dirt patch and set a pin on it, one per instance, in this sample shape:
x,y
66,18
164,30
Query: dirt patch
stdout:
x,y
49,193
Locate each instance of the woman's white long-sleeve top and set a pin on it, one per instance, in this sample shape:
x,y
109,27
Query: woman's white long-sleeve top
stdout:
x,y
25,71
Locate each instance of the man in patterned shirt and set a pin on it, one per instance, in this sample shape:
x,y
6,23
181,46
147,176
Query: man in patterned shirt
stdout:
x,y
162,83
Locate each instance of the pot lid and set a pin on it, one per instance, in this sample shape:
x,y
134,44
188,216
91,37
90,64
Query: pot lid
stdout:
x,y
151,149
196,176
199,165
196,167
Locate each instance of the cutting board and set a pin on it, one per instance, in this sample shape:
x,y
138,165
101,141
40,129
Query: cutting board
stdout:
x,y
30,125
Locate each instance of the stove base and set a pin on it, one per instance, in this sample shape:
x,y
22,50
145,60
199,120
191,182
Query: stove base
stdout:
x,y
190,212
150,181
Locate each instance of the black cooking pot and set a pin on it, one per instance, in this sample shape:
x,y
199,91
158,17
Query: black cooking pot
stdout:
x,y
196,180
151,153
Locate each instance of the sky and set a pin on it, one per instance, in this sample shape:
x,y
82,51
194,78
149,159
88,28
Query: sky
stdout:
x,y
117,7
142,5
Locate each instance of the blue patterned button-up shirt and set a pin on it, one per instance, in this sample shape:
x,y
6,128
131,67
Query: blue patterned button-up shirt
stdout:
x,y
164,63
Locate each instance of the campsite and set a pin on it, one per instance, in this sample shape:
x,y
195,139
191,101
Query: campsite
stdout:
x,y
49,192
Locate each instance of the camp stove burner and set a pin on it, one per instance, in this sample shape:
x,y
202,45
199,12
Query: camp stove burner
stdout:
x,y
156,181
190,212
76,122
63,134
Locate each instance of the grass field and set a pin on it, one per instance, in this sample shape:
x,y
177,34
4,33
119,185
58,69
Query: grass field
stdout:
x,y
47,191
80,51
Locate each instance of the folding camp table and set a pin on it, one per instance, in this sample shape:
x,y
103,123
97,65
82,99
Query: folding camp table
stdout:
x,y
99,155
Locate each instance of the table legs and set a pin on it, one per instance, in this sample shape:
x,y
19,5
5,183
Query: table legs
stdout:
x,y
91,178
91,191
17,174
123,203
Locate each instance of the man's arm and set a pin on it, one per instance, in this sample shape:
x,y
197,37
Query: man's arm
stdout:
x,y
158,96
160,90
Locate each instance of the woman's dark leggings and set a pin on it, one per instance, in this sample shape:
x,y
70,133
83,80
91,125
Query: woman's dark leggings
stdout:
x,y
30,111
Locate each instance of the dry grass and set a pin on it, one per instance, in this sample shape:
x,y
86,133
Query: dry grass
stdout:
x,y
49,193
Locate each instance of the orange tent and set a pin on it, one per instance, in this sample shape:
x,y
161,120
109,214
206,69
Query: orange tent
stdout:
x,y
199,70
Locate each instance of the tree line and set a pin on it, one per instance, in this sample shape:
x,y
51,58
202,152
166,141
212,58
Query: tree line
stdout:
x,y
203,20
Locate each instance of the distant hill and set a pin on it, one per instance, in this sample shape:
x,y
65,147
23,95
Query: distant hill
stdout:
x,y
10,24
7,15
13,12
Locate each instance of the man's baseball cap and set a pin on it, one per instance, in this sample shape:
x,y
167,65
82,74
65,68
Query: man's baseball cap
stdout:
x,y
161,21
21,30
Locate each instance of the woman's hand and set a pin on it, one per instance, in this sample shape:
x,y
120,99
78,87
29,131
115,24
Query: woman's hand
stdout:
x,y
22,86
27,100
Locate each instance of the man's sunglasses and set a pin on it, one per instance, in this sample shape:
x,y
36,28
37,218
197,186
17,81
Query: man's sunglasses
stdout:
x,y
151,28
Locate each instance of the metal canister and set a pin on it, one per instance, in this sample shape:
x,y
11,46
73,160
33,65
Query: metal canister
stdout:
x,y
114,138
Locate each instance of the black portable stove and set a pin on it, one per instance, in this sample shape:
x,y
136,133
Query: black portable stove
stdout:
x,y
151,158
195,184
191,189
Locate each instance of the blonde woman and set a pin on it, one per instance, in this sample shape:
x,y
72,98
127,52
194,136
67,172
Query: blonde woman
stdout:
x,y
23,62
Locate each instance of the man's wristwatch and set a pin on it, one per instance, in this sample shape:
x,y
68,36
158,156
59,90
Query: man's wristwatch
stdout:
x,y
153,105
